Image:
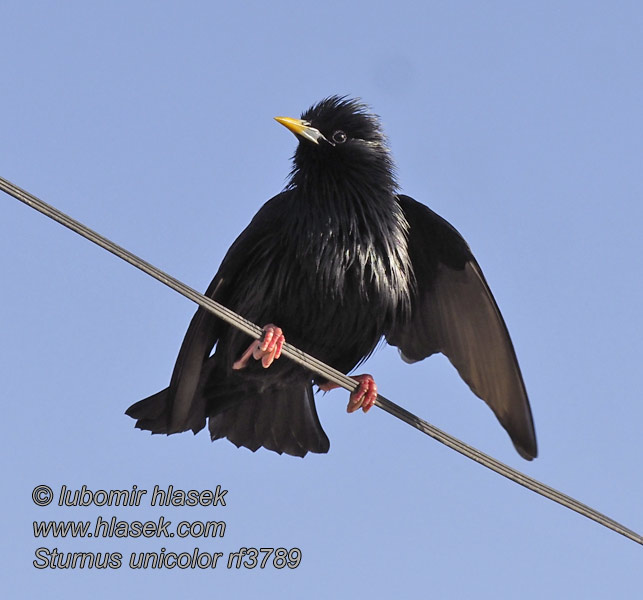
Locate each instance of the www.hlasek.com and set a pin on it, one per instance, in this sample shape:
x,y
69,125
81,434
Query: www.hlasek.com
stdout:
x,y
114,527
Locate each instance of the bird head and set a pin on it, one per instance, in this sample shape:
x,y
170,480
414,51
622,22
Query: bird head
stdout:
x,y
340,136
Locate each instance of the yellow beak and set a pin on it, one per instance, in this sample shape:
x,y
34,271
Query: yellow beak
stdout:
x,y
301,129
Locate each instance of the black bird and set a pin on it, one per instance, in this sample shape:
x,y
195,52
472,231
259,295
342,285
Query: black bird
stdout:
x,y
338,260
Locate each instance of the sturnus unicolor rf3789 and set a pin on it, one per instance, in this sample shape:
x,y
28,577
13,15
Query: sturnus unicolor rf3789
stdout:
x,y
336,262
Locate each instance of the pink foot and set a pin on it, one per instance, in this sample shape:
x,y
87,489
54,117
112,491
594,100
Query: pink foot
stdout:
x,y
363,397
268,348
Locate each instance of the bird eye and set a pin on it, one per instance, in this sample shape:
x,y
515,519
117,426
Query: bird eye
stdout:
x,y
339,137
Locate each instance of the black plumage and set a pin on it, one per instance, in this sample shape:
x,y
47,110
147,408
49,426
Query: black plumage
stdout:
x,y
338,260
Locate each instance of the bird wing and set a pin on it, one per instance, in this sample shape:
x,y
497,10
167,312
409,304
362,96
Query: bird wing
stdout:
x,y
186,408
454,312
178,407
282,418
202,334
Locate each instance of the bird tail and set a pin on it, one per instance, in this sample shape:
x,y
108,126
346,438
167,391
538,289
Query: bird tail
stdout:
x,y
283,420
153,414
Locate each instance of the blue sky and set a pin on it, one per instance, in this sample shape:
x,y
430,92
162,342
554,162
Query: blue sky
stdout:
x,y
151,122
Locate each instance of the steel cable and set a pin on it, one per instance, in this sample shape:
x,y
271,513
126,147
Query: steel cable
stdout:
x,y
318,367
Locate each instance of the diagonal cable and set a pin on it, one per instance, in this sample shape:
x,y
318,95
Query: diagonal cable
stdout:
x,y
317,366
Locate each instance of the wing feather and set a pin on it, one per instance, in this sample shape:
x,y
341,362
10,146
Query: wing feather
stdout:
x,y
454,312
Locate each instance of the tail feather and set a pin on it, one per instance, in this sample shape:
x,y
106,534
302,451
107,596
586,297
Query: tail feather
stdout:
x,y
153,414
283,420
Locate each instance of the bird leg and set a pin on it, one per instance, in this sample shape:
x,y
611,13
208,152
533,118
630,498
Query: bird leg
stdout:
x,y
363,397
268,348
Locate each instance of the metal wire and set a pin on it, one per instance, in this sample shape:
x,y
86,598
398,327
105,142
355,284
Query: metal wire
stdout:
x,y
318,367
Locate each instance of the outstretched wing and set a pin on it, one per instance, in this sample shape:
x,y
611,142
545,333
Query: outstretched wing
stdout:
x,y
454,312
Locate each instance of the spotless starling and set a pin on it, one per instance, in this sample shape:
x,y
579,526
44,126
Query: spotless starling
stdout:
x,y
334,263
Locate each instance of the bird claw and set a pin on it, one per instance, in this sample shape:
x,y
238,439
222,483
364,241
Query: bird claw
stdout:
x,y
267,349
363,397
